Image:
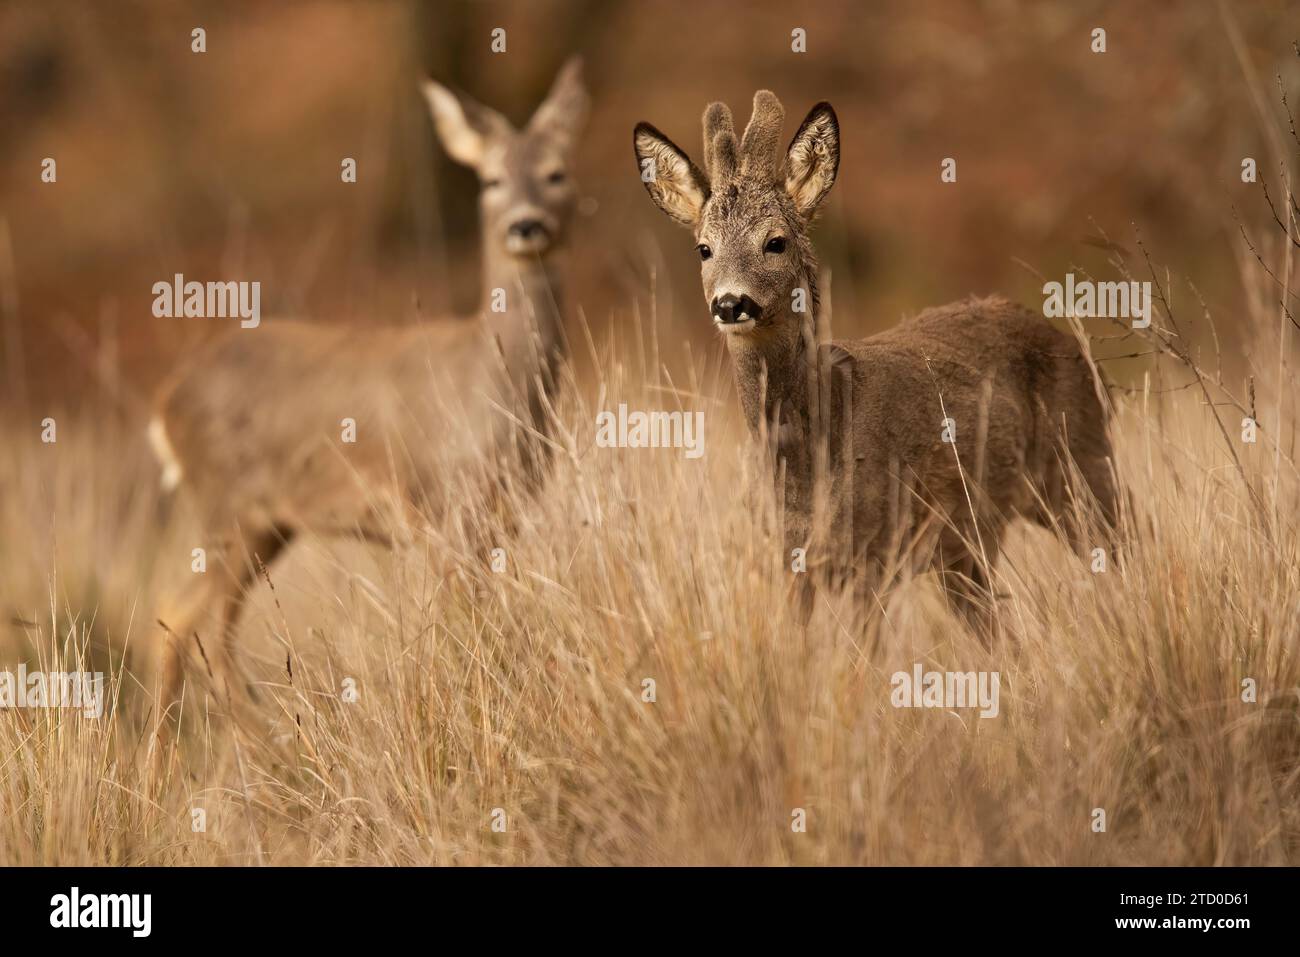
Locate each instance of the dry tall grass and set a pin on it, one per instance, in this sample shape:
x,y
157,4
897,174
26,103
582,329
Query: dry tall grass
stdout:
x,y
522,690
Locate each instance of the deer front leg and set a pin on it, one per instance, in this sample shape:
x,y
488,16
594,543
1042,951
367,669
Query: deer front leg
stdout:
x,y
964,576
802,593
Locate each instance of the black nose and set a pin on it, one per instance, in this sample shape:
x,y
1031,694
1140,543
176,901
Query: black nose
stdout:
x,y
527,228
730,308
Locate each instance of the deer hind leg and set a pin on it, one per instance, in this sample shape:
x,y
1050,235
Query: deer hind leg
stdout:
x,y
178,623
221,590
245,556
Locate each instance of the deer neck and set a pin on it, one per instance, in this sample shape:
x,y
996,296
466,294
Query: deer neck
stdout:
x,y
771,366
521,313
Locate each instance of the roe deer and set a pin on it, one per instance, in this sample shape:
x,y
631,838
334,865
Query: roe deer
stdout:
x,y
925,440
253,428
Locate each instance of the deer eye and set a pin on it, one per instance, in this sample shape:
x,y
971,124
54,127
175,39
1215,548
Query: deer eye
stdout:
x,y
556,177
491,183
775,245
705,251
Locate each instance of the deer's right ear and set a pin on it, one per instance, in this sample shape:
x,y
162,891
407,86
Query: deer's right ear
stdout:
x,y
463,125
677,185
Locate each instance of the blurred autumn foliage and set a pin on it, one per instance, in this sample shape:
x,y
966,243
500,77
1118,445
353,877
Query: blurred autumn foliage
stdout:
x,y
226,164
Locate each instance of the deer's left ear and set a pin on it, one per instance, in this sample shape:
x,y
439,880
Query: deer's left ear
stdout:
x,y
813,159
564,111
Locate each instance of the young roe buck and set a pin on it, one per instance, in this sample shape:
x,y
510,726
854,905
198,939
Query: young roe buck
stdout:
x,y
916,446
253,427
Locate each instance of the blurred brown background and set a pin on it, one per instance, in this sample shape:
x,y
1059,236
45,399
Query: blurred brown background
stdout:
x,y
226,164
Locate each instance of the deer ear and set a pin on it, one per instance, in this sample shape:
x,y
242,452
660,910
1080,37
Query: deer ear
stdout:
x,y
564,111
465,127
675,183
813,159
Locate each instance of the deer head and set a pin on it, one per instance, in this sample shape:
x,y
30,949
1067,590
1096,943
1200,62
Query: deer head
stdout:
x,y
526,196
750,209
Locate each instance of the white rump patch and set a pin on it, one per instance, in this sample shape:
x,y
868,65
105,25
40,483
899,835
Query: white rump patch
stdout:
x,y
166,455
